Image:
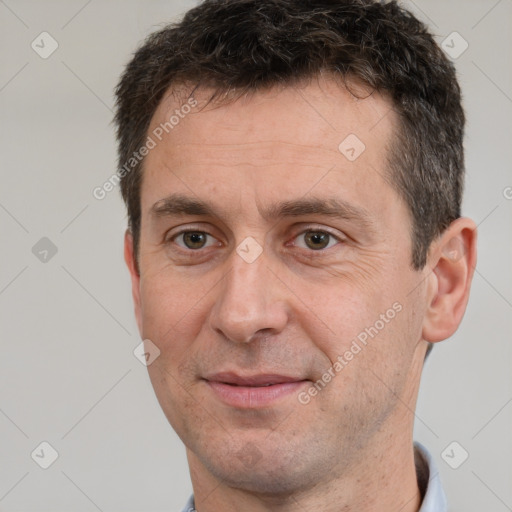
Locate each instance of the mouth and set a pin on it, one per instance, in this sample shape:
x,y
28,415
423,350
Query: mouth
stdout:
x,y
253,391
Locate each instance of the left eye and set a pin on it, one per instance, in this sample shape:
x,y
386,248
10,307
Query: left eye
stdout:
x,y
316,240
194,239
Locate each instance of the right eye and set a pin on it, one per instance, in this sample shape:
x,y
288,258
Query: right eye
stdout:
x,y
193,240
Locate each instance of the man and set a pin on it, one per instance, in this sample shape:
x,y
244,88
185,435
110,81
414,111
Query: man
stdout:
x,y
293,174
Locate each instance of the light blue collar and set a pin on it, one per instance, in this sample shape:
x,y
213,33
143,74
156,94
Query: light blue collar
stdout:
x,y
434,499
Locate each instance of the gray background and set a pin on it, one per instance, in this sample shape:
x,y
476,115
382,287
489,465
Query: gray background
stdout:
x,y
68,375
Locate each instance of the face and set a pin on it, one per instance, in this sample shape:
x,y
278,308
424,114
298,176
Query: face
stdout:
x,y
276,282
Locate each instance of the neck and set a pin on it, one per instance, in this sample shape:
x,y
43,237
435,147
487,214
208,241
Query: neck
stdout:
x,y
383,480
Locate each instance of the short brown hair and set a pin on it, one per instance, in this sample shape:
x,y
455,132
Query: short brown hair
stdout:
x,y
251,45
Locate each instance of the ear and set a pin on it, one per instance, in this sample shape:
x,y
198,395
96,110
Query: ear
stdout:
x,y
452,260
130,259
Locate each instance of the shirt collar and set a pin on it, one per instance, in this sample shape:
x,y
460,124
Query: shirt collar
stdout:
x,y
190,506
434,499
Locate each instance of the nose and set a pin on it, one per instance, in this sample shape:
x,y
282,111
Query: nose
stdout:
x,y
251,301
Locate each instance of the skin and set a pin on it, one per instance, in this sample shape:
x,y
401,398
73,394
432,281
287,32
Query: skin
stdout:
x,y
297,307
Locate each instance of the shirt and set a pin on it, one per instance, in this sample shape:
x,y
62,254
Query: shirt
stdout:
x,y
429,482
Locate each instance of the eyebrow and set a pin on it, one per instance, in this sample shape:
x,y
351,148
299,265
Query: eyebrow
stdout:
x,y
182,205
178,204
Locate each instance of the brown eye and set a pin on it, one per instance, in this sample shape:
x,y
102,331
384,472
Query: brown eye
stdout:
x,y
193,239
317,239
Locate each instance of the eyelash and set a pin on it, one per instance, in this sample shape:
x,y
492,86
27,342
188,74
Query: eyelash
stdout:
x,y
303,232
184,232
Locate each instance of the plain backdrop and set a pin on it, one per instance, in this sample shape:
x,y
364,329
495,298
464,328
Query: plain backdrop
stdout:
x,y
68,375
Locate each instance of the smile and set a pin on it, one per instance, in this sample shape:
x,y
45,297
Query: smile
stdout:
x,y
254,391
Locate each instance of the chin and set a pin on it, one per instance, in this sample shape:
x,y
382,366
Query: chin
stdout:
x,y
266,480
264,468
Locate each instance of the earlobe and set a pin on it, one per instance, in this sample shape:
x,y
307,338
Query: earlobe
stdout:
x,y
452,260
131,263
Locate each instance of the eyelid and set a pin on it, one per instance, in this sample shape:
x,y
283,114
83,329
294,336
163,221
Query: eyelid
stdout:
x,y
341,237
184,228
170,238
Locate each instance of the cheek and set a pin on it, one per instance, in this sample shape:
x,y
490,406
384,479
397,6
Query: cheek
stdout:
x,y
172,310
377,326
343,314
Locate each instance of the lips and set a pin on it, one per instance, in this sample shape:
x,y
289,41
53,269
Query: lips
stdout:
x,y
253,391
260,380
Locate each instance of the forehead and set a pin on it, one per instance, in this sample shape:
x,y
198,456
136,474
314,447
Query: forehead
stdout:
x,y
323,106
278,142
